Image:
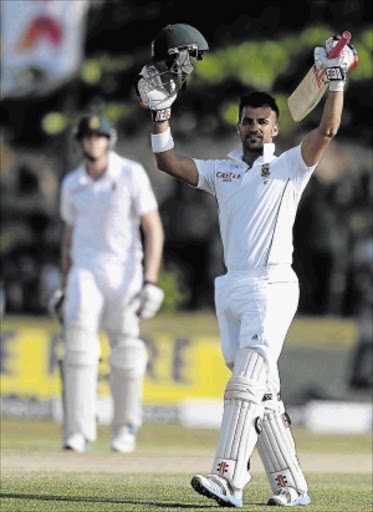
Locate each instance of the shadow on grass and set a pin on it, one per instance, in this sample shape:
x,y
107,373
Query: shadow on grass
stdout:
x,y
48,497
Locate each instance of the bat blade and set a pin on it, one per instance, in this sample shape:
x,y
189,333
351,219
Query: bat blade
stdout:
x,y
308,94
311,89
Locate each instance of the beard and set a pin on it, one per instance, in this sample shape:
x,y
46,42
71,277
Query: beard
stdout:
x,y
254,144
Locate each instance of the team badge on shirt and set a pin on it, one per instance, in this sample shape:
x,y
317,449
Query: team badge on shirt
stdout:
x,y
265,173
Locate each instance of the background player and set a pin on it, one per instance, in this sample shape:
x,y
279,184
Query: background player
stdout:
x,y
104,202
257,195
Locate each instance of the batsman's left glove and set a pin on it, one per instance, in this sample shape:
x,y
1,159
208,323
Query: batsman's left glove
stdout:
x,y
151,298
336,69
153,94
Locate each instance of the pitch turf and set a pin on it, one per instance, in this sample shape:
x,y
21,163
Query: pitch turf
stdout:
x,y
37,476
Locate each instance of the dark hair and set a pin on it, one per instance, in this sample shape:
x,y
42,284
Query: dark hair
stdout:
x,y
256,100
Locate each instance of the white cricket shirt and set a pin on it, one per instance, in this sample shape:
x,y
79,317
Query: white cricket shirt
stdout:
x,y
257,205
106,213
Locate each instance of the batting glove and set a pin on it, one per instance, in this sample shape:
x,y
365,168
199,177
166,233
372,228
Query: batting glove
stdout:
x,y
151,298
56,305
153,94
336,69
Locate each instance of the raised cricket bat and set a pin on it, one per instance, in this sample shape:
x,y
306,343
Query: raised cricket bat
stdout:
x,y
311,89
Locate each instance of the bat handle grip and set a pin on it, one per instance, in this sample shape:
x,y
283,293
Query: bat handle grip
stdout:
x,y
337,50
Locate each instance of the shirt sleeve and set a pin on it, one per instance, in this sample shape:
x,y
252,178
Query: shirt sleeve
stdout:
x,y
67,209
300,173
144,198
206,172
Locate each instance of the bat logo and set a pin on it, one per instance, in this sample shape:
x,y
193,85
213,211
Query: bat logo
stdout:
x,y
319,76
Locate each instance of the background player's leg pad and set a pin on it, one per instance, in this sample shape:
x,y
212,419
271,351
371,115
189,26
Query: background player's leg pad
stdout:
x,y
128,360
80,367
243,409
276,448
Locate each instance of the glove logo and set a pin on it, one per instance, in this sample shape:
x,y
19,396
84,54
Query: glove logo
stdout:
x,y
334,73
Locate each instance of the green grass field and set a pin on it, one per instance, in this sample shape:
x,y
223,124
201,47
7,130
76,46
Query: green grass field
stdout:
x,y
38,476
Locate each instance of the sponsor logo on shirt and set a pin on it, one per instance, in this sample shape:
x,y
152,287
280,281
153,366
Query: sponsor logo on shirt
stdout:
x,y
228,176
79,189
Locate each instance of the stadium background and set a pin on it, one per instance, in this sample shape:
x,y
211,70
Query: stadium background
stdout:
x,y
329,349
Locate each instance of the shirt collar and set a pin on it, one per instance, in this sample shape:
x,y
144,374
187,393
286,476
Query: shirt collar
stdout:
x,y
112,170
268,156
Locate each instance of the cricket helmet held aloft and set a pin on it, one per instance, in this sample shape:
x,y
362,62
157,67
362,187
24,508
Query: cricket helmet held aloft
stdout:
x,y
175,50
174,38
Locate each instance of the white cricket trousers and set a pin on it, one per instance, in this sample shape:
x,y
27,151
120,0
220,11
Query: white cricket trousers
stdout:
x,y
102,293
255,309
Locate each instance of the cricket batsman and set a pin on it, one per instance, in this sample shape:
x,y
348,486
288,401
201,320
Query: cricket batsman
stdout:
x,y
257,193
104,204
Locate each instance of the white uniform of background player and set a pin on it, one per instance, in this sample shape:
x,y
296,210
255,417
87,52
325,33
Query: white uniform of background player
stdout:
x,y
104,202
257,196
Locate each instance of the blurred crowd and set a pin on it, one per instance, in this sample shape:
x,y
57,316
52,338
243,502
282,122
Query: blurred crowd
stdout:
x,y
332,237
333,245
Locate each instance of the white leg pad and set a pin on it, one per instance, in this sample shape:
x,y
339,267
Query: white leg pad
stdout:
x,y
276,447
80,369
243,408
128,360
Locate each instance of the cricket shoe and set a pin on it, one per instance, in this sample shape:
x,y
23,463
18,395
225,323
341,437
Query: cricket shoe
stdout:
x,y
77,443
218,489
124,440
289,497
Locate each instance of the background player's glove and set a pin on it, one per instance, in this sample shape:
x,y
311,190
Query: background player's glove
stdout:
x,y
153,94
336,69
151,298
56,305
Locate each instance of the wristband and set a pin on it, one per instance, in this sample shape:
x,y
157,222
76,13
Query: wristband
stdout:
x,y
159,116
148,281
162,141
337,85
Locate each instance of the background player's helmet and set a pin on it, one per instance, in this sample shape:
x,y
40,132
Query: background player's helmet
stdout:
x,y
95,124
175,51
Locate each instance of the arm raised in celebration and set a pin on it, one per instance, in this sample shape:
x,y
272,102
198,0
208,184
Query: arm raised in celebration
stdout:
x,y
167,159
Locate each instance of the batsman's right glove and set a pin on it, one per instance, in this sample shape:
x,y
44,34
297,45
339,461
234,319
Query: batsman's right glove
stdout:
x,y
336,69
151,298
56,305
153,94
